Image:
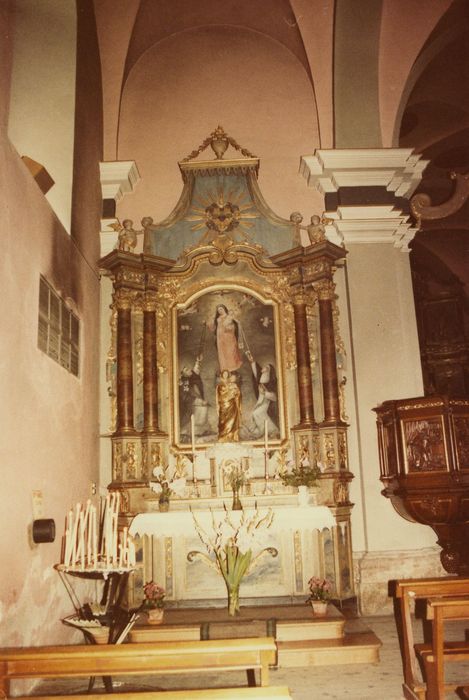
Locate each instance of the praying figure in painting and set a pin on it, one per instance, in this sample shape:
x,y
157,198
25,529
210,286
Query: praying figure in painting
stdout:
x,y
228,341
228,407
264,381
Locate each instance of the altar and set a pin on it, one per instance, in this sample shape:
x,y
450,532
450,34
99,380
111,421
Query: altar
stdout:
x,y
225,359
302,541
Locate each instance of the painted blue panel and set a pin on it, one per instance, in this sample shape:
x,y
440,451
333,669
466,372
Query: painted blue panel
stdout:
x,y
213,194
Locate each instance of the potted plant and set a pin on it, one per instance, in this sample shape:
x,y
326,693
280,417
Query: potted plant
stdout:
x,y
320,593
153,603
303,477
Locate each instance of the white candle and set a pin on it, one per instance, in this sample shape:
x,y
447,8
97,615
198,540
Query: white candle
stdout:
x,y
74,534
132,556
94,537
66,557
266,447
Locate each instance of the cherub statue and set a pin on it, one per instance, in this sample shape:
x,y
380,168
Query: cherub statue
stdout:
x,y
127,236
127,239
296,218
316,230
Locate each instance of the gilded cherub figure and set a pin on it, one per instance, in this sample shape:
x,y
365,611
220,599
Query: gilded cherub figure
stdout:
x,y
127,236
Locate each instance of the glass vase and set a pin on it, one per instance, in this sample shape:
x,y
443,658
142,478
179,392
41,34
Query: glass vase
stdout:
x,y
233,599
163,503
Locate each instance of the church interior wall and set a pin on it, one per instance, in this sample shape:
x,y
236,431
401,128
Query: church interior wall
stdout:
x,y
49,417
41,122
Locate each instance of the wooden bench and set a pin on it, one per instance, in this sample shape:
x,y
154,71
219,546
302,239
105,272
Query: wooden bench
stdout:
x,y
406,592
138,659
434,654
258,693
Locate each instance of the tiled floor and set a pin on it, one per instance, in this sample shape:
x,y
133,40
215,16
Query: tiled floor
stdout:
x,y
381,681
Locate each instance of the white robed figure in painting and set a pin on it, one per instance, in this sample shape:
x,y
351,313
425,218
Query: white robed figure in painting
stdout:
x,y
265,388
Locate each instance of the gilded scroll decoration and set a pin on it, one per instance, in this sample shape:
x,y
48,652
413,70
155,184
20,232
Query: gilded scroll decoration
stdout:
x,y
117,471
111,369
130,459
289,336
329,450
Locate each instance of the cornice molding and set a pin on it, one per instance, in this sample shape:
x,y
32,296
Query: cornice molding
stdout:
x,y
118,178
370,224
399,170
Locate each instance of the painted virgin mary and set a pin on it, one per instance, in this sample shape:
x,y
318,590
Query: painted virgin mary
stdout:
x,y
227,339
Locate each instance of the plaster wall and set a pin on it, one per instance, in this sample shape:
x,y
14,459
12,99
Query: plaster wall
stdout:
x,y
181,89
49,417
42,103
385,356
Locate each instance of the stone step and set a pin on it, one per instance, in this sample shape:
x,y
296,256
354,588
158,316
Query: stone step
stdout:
x,y
354,648
331,626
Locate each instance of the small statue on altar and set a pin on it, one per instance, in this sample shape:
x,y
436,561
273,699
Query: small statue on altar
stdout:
x,y
317,228
229,407
127,236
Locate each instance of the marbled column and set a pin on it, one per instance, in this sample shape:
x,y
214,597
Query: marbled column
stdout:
x,y
330,382
150,371
303,359
125,393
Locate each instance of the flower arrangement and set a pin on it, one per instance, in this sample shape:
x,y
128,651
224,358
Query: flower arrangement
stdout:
x,y
154,596
230,548
320,589
304,475
164,485
236,474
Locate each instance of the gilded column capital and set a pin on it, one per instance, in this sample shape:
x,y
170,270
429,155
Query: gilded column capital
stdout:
x,y
325,290
149,301
298,297
124,299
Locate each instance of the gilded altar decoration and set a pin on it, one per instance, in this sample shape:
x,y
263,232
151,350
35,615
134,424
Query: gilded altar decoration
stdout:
x,y
223,351
233,547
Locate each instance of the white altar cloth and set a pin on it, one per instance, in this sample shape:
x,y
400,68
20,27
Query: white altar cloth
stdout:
x,y
286,518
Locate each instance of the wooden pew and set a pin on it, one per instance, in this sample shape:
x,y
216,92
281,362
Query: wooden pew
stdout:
x,y
406,592
257,693
434,655
137,659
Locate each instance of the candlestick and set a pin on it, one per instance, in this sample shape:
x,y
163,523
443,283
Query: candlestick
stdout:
x,y
193,433
266,457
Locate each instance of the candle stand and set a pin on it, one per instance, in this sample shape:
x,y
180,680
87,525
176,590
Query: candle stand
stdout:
x,y
107,621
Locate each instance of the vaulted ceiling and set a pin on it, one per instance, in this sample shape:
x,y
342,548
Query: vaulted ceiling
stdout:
x,y
283,78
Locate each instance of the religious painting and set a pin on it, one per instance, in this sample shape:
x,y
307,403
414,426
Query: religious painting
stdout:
x,y
228,384
424,445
